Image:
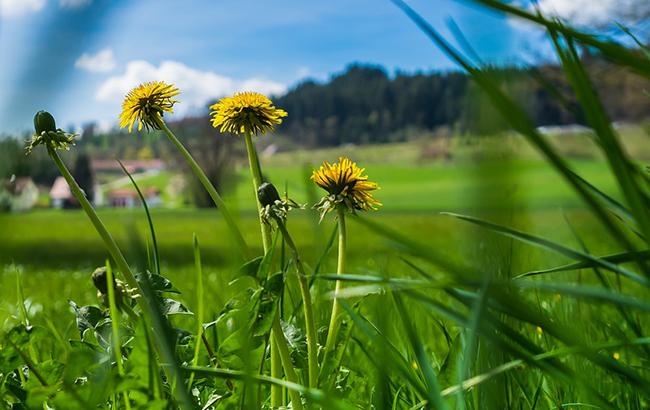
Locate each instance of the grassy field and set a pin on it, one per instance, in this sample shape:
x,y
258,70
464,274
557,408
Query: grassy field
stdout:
x,y
55,251
505,272
431,310
58,249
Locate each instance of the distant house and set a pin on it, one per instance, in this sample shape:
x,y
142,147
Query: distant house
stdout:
x,y
570,129
133,166
21,194
128,197
60,194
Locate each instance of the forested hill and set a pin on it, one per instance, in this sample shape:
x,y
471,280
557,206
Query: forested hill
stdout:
x,y
366,104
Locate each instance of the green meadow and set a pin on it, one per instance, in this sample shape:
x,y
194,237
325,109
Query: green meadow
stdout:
x,y
56,250
503,272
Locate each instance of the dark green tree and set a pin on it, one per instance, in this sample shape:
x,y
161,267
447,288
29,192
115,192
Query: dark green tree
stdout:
x,y
83,173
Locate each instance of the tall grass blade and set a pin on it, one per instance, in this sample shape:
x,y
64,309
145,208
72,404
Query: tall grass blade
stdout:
x,y
152,231
433,389
115,327
313,395
520,122
613,51
617,258
198,266
553,246
396,359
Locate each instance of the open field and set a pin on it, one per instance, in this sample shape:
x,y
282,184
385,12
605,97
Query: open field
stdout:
x,y
54,251
60,248
508,268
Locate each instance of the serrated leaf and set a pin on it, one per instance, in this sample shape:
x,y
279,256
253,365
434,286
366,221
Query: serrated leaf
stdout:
x,y
297,342
172,307
251,267
275,284
87,317
158,283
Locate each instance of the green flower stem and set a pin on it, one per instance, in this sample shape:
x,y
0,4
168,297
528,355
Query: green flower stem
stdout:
x,y
147,309
276,363
216,198
335,319
312,346
285,357
276,368
256,172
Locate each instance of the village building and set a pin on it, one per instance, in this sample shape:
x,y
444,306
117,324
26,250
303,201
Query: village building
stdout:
x,y
128,197
133,166
116,193
20,194
60,194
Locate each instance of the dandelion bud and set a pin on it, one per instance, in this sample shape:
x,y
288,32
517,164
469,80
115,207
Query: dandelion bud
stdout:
x,y
43,121
274,207
99,280
267,194
47,134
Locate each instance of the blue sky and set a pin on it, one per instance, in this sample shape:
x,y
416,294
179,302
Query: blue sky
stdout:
x,y
76,58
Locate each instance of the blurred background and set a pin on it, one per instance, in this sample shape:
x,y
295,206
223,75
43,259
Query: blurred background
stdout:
x,y
357,79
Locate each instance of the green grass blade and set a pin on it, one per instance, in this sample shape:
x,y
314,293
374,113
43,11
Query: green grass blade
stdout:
x,y
433,388
597,117
199,303
152,231
400,364
595,293
520,122
617,258
20,294
613,51
115,328
518,363
314,395
552,246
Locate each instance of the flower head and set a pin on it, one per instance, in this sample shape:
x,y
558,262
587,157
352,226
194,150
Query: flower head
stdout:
x,y
47,134
345,183
247,112
147,103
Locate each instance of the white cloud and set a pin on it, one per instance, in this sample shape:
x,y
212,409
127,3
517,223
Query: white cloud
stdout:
x,y
15,8
73,4
197,87
599,12
102,62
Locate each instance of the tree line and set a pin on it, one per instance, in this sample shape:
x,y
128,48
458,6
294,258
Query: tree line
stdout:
x,y
366,104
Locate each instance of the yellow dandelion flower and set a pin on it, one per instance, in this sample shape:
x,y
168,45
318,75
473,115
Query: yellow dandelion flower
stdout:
x,y
147,103
539,331
246,112
346,184
616,356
